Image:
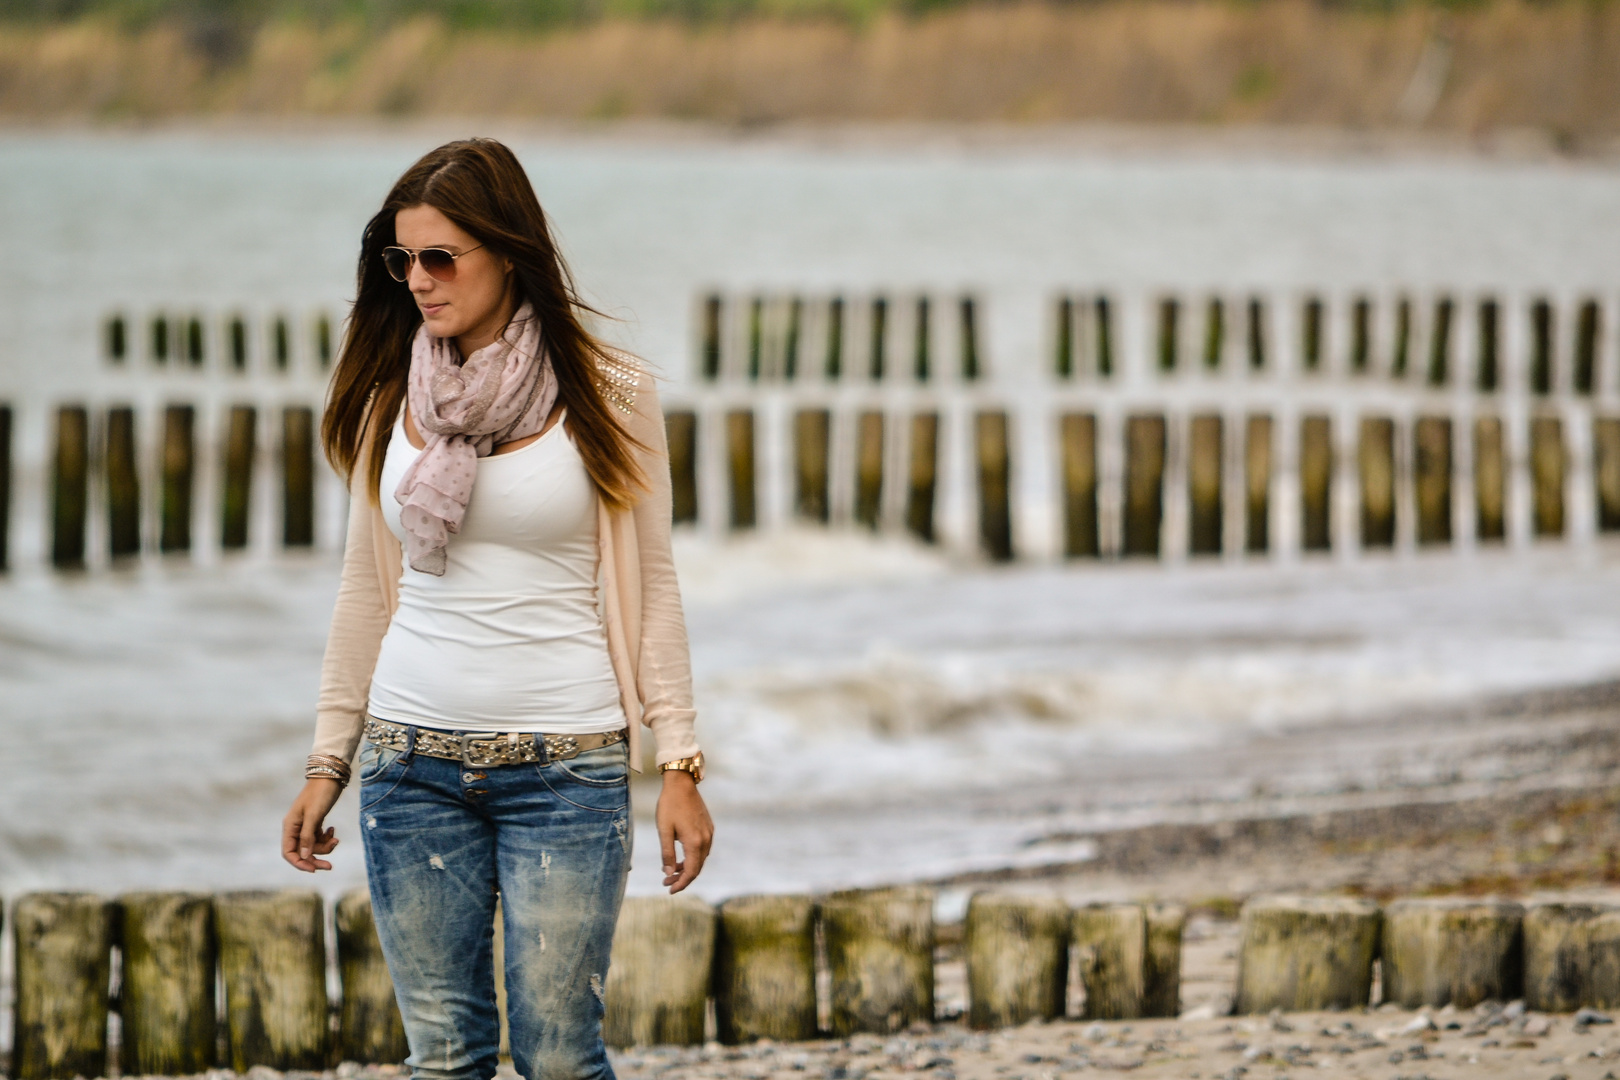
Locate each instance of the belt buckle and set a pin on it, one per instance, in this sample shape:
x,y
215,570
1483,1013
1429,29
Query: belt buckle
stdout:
x,y
492,756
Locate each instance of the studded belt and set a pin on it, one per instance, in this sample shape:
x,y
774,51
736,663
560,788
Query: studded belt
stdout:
x,y
487,748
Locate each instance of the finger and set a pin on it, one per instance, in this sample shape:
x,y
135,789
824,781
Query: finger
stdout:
x,y
666,845
290,827
692,868
306,837
326,842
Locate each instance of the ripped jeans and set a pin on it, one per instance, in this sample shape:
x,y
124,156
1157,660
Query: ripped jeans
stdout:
x,y
441,838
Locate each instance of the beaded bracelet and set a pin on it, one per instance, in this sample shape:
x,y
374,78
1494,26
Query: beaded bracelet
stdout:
x,y
325,767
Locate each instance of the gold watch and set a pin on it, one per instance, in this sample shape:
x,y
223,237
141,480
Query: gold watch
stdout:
x,y
693,765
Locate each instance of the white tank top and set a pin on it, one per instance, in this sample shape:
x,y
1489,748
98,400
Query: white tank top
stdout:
x,y
510,638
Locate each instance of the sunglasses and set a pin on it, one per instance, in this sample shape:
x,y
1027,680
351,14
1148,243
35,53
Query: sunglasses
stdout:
x,y
439,263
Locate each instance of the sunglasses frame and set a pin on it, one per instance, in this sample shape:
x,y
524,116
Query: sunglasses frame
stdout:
x,y
411,259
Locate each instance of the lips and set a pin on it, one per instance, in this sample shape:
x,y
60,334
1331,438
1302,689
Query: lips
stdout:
x,y
431,310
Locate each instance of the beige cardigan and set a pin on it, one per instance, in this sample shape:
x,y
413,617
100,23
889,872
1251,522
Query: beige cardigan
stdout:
x,y
640,599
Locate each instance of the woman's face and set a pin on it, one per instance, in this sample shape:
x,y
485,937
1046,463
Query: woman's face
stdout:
x,y
473,308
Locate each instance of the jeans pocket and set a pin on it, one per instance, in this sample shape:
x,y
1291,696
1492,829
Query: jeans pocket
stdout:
x,y
376,760
595,780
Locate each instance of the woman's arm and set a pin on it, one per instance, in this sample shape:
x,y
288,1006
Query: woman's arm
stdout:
x,y
664,671
359,620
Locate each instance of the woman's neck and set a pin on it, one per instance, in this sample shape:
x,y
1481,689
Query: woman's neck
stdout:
x,y
487,331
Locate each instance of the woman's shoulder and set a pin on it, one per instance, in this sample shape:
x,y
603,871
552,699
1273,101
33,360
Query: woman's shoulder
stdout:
x,y
623,378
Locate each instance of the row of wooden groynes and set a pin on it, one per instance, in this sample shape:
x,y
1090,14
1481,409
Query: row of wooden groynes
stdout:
x,y
1379,459
115,461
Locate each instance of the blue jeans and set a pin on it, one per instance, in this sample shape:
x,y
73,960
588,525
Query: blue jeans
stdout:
x,y
553,840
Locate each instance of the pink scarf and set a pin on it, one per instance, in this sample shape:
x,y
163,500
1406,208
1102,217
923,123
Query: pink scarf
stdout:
x,y
503,392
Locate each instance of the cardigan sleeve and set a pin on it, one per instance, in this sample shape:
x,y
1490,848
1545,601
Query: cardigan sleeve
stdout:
x,y
664,668
359,620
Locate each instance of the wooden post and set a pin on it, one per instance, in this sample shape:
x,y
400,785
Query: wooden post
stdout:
x,y
71,486
1547,462
1301,954
1489,338
658,984
1452,952
1541,347
1017,958
1077,433
238,497
117,339
272,956
1431,478
995,478
1257,484
123,485
298,476
811,439
765,969
177,469
63,948
1490,479
1311,345
1440,343
869,468
1606,470
1144,484
880,949
1205,460
971,368
1571,956
370,1030
1377,460
1316,482
1161,972
1169,312
5,487
1112,939
740,455
711,337
168,984
923,476
680,430
880,326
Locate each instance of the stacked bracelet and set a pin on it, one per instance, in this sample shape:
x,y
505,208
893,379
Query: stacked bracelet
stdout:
x,y
325,767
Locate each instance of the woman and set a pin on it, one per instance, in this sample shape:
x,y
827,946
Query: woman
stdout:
x,y
508,617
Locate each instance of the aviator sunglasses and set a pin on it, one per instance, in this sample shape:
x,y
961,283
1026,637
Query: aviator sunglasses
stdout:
x,y
439,263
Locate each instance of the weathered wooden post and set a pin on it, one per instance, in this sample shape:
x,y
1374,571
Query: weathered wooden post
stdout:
x,y
880,949
370,1030
1547,463
1541,346
869,468
1452,952
63,948
876,355
921,366
1063,347
272,957
1077,434
1489,339
168,1003
1606,469
1301,954
117,339
1571,956
1205,454
1017,958
923,476
158,339
5,487
1588,331
1440,343
1431,478
971,368
1257,484
1144,484
1169,317
765,969
1490,479
1161,972
177,469
123,484
812,437
238,495
1360,335
71,486
834,360
297,476
1377,460
1316,482
1311,334
236,339
658,984
995,482
680,432
1112,939
194,341
711,337
740,457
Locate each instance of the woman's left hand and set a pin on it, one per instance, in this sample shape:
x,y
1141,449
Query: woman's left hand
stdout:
x,y
683,818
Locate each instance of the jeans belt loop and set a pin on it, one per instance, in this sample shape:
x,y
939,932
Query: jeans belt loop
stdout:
x,y
410,742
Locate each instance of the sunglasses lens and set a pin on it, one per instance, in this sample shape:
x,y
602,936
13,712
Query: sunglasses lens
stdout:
x,y
439,264
397,261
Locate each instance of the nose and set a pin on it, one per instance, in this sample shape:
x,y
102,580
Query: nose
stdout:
x,y
418,279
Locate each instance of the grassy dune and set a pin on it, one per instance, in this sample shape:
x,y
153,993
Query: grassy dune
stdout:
x,y
1554,66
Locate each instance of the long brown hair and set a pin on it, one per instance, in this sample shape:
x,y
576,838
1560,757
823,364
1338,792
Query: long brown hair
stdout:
x,y
480,185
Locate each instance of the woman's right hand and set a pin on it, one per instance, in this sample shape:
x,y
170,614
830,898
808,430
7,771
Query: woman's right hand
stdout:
x,y
302,837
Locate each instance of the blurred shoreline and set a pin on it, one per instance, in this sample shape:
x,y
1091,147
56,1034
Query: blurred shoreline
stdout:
x,y
1504,71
